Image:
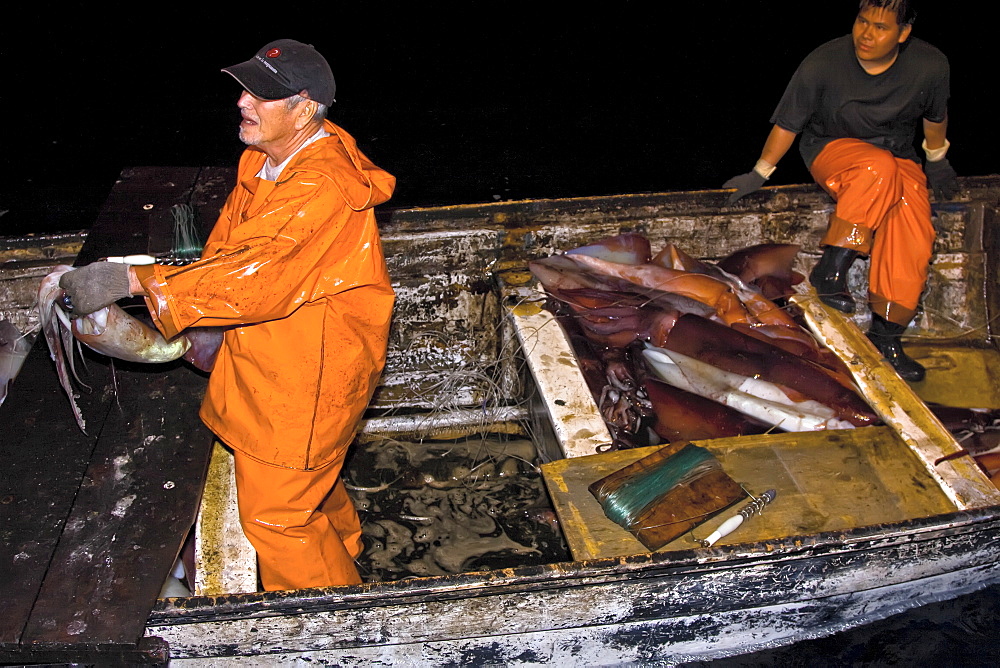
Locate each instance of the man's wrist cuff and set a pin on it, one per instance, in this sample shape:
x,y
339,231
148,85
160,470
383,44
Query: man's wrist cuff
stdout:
x,y
935,154
139,273
764,168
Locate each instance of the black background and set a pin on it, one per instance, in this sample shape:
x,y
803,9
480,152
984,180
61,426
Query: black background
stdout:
x,y
467,102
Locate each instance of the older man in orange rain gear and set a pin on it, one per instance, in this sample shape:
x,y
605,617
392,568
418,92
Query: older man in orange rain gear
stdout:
x,y
856,101
294,267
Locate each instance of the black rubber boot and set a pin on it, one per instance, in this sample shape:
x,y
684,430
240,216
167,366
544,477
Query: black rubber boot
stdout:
x,y
886,337
829,277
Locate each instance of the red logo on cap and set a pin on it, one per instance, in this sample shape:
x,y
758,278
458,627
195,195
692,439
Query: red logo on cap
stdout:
x,y
273,53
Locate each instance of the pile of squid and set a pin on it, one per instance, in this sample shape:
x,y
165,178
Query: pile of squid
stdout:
x,y
676,348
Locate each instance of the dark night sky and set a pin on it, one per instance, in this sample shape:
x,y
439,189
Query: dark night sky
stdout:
x,y
470,102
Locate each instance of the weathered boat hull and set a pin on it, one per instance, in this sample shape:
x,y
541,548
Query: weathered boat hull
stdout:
x,y
672,606
460,274
698,604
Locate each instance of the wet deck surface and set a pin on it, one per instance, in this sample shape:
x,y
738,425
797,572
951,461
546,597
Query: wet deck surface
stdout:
x,y
92,523
958,375
448,507
819,475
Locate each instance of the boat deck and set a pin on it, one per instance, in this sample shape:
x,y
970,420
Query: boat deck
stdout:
x,y
88,562
93,522
821,475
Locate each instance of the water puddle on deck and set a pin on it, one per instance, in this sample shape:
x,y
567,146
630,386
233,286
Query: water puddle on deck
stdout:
x,y
440,508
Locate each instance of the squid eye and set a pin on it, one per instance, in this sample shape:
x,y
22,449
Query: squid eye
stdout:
x,y
65,302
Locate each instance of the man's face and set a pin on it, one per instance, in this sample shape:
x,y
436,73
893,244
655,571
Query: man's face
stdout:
x,y
877,36
265,122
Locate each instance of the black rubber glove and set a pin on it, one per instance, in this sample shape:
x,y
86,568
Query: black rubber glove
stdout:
x,y
941,178
744,184
94,286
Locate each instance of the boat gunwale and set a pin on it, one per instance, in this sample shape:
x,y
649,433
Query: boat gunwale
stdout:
x,y
392,219
194,609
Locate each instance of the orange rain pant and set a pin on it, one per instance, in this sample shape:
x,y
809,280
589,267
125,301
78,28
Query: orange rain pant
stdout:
x,y
302,523
883,209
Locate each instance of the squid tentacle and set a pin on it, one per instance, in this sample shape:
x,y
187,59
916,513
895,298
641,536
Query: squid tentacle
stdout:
x,y
112,332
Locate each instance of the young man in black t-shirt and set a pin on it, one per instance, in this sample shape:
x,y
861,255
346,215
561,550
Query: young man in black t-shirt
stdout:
x,y
855,103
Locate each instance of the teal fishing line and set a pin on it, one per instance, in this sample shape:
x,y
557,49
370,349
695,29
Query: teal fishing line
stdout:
x,y
624,505
187,241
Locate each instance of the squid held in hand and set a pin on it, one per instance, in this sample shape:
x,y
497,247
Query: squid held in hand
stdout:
x,y
112,332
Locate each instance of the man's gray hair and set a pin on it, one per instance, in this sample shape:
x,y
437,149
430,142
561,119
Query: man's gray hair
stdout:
x,y
294,100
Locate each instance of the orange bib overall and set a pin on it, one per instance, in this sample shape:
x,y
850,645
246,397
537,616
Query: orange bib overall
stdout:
x,y
295,269
883,209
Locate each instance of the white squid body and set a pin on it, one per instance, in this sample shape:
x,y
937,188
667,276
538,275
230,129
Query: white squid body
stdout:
x,y
13,349
751,396
114,333
110,331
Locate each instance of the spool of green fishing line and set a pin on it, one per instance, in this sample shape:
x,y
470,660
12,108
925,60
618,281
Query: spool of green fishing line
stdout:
x,y
625,504
187,242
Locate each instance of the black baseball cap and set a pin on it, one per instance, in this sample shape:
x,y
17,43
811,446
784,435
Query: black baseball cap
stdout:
x,y
284,68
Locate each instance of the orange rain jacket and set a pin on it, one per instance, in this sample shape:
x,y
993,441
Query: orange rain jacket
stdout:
x,y
296,266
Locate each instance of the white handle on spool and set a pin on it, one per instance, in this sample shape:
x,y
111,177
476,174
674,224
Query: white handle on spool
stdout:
x,y
724,529
754,507
132,259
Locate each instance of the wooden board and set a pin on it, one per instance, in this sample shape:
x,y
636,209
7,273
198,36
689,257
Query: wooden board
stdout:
x,y
898,405
958,375
45,457
825,481
678,506
576,421
92,523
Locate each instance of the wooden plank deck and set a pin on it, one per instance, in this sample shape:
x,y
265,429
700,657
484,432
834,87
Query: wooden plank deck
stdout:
x,y
819,477
92,523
